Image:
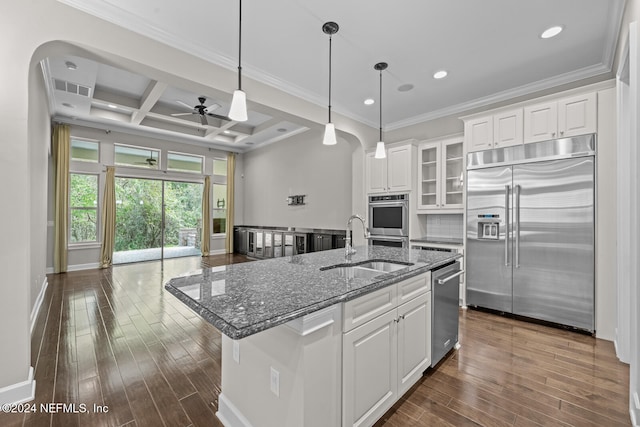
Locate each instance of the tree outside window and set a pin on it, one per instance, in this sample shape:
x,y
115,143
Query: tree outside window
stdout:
x,y
219,201
83,207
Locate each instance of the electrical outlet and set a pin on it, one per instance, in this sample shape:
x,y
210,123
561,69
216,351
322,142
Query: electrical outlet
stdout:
x,y
236,351
275,382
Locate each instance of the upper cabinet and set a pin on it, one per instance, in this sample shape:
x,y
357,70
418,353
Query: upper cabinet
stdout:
x,y
393,173
492,131
565,117
440,169
557,118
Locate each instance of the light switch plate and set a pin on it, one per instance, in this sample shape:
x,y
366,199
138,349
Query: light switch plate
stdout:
x,y
275,382
236,351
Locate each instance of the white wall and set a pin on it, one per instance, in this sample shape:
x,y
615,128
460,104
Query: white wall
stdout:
x,y
39,147
298,165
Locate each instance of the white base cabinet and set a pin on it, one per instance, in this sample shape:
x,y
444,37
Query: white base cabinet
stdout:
x,y
384,356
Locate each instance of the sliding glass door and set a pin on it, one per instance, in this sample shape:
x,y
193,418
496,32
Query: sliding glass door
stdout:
x,y
156,219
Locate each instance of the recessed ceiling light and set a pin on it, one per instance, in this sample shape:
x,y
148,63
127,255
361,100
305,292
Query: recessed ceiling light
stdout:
x,y
66,104
112,106
70,65
405,87
281,130
551,32
369,101
249,143
226,131
440,74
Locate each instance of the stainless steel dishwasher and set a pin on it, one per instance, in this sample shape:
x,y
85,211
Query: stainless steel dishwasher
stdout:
x,y
445,288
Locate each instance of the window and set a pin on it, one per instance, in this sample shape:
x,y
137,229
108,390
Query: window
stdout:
x,y
83,207
219,196
137,157
184,162
85,150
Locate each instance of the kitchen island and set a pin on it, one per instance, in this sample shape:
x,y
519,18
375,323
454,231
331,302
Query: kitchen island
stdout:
x,y
303,335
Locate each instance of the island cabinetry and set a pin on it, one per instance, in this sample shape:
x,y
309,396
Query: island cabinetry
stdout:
x,y
391,174
571,116
440,173
386,348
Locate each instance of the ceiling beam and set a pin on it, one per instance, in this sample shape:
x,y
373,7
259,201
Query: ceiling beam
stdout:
x,y
151,95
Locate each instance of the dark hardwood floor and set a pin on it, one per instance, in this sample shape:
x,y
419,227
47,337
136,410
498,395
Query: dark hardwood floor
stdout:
x,y
115,338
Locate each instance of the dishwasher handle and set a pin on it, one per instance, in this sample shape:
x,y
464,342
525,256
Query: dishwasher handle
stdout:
x,y
446,279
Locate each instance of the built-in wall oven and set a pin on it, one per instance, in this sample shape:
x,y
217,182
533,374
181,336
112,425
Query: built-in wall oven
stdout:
x,y
389,220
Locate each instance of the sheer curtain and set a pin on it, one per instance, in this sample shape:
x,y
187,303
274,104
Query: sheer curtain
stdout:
x,y
231,169
108,218
61,147
206,216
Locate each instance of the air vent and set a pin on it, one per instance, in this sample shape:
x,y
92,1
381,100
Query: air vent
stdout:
x,y
74,88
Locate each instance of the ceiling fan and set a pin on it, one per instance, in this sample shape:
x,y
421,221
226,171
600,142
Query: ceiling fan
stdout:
x,y
202,110
150,161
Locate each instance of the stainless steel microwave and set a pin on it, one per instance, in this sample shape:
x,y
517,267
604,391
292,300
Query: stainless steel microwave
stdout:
x,y
389,215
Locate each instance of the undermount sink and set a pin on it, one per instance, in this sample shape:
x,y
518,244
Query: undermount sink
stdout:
x,y
366,269
386,266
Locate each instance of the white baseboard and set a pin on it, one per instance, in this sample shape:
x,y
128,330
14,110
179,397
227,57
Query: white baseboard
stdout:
x,y
218,252
36,306
79,267
229,415
49,270
20,392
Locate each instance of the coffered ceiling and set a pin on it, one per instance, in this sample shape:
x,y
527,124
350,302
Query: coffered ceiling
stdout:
x,y
491,50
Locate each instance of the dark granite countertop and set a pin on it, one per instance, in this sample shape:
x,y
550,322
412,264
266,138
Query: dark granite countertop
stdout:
x,y
246,298
440,240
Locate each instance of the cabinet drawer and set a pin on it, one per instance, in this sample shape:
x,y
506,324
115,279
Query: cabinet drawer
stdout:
x,y
413,287
367,307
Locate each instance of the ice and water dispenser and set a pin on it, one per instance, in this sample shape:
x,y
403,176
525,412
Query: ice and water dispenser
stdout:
x,y
489,227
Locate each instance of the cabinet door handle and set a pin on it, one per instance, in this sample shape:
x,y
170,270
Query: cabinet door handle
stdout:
x,y
561,132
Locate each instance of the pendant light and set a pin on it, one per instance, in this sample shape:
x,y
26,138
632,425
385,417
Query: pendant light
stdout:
x,y
380,151
330,130
238,109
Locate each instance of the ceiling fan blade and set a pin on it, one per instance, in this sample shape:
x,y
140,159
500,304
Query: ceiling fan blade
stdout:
x,y
203,120
182,114
190,107
212,107
218,116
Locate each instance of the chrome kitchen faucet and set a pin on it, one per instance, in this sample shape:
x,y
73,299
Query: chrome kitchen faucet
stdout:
x,y
348,249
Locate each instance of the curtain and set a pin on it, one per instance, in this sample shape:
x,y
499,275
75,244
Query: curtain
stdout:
x,y
108,218
231,170
206,216
61,148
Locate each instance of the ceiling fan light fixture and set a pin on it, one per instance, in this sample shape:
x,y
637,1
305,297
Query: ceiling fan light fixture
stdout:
x,y
238,110
330,130
381,153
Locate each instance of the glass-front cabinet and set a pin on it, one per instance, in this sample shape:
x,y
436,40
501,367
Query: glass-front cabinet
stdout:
x,y
440,176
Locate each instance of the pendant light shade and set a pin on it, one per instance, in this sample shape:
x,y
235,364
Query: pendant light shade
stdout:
x,y
381,153
329,135
238,110
330,130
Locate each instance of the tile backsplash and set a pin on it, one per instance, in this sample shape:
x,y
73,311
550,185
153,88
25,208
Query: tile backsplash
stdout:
x,y
450,225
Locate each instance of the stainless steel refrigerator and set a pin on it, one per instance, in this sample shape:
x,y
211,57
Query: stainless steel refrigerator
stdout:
x,y
530,230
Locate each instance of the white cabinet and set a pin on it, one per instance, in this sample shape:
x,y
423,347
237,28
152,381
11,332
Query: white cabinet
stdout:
x,y
566,117
386,350
391,174
440,168
501,129
414,341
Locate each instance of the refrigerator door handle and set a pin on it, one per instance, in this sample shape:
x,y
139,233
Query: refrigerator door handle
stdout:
x,y
507,189
517,226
